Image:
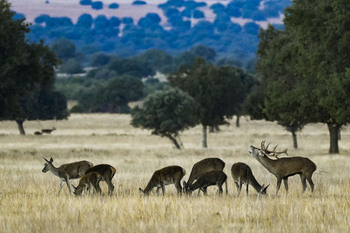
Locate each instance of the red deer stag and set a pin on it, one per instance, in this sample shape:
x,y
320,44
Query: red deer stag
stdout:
x,y
67,171
202,167
107,172
283,168
209,179
165,176
242,174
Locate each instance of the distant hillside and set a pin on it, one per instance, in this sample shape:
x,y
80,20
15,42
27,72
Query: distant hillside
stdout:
x,y
129,27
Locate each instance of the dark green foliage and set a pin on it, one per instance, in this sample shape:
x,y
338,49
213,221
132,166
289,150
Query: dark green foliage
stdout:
x,y
99,59
219,92
308,64
26,74
64,49
112,96
166,113
71,66
98,5
113,5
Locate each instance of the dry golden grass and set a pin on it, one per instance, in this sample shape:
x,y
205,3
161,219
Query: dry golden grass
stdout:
x,y
29,200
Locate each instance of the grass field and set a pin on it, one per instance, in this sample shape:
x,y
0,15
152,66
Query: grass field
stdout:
x,y
29,200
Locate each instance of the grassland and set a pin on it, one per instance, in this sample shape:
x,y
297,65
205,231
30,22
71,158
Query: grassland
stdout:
x,y
29,200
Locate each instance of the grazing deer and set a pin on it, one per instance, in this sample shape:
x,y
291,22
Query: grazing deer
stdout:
x,y
85,182
47,131
107,172
37,133
202,167
242,174
208,179
165,176
283,168
67,171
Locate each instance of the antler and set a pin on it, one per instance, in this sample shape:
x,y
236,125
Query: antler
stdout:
x,y
274,153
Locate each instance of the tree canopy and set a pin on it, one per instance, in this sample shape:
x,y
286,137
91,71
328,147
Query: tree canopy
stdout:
x,y
166,113
309,71
219,91
26,74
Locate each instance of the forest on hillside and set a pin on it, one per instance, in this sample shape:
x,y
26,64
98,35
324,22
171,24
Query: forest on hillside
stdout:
x,y
185,27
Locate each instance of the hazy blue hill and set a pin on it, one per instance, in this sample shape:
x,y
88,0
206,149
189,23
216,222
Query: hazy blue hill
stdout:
x,y
229,27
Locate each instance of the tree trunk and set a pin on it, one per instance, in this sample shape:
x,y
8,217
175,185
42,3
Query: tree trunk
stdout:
x,y
237,121
204,139
20,127
173,140
295,140
333,135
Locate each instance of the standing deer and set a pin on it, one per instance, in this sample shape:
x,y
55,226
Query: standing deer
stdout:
x,y
242,174
202,167
67,171
209,179
48,131
283,168
85,182
165,176
107,172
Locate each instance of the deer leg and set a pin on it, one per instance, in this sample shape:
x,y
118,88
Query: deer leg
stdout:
x,y
285,181
204,189
110,186
303,181
279,180
158,188
61,185
163,189
239,187
220,189
311,183
247,187
68,185
178,187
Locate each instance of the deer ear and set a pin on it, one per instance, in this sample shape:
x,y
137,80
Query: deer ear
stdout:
x,y
75,188
141,191
51,160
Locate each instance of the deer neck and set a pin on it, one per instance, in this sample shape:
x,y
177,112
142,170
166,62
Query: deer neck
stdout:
x,y
253,182
54,170
268,163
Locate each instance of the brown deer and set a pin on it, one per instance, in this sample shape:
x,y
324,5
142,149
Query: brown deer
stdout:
x,y
107,172
85,182
37,133
202,167
165,176
283,168
242,174
209,179
47,131
67,171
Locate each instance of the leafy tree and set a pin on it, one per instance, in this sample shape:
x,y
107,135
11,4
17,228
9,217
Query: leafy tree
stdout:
x,y
26,74
158,60
99,59
112,97
64,49
204,52
71,66
282,100
317,62
218,92
166,113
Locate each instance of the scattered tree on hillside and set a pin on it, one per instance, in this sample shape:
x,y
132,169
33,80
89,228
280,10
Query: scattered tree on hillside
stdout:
x,y
26,74
166,113
218,92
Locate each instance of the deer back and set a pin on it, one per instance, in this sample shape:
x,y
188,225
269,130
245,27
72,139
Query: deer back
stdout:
x,y
74,170
166,175
107,171
205,166
209,178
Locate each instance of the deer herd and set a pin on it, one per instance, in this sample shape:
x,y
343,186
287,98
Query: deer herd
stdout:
x,y
205,173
